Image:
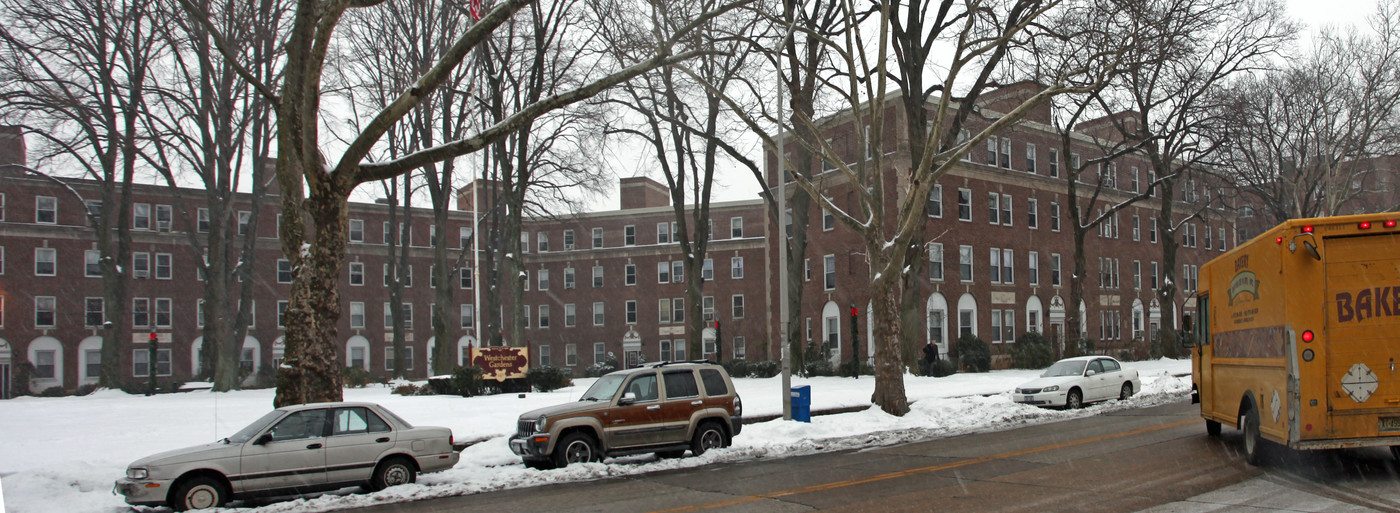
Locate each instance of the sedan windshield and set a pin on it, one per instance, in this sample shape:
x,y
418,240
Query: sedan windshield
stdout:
x,y
1065,368
604,389
247,433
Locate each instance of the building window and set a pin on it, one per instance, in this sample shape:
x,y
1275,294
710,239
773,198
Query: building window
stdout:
x,y
1152,230
46,210
629,273
284,271
964,204
1030,158
1033,268
570,355
543,242
140,312
1054,163
357,230
736,227
141,359
597,238
663,233
935,261
678,271
1032,213
663,310
1055,269
629,235
597,276
163,266
543,278
1155,284
598,316
94,315
993,207
996,326
631,312
992,151
202,220
600,353
92,263
707,308
738,307
164,214
995,268
828,221
568,278
1054,216
663,272
141,216
741,350
357,273
244,218
678,310
467,316
707,270
163,314
407,358
1137,275
357,315
935,201
569,240
1006,209
281,314
570,315
1006,152
141,265
736,268
965,263
45,261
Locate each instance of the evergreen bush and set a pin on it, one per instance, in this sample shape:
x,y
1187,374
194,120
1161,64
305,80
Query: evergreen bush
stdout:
x,y
357,377
974,354
1032,351
545,378
467,382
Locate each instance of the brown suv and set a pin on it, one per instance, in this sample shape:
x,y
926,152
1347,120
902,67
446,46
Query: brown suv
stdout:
x,y
663,408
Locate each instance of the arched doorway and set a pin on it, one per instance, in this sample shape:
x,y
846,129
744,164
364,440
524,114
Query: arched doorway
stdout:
x,y
632,348
831,332
464,347
279,351
357,353
1057,322
250,360
1034,315
46,354
196,348
709,345
967,315
936,319
1154,319
1139,316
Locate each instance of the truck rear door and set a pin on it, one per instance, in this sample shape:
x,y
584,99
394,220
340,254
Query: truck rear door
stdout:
x,y
1363,332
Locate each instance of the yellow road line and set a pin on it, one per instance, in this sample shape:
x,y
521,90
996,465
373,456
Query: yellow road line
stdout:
x,y
922,470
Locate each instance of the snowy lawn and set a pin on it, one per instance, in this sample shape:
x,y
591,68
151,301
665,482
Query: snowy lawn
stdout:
x,y
63,454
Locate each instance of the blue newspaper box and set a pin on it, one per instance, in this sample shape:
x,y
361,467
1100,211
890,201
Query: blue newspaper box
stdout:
x,y
802,403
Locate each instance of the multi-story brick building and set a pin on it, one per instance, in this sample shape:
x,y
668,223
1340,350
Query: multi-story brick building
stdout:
x,y
998,264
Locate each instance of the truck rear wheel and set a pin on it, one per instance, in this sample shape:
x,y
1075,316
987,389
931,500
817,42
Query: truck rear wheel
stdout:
x,y
1253,444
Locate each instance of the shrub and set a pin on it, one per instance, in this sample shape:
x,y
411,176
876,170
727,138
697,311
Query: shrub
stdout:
x,y
736,368
545,378
357,377
1079,347
266,377
466,381
609,364
1032,351
865,368
406,389
816,361
53,392
425,390
87,389
764,369
944,367
23,372
974,354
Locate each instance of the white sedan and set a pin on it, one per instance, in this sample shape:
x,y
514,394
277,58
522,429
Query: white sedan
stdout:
x,y
1073,382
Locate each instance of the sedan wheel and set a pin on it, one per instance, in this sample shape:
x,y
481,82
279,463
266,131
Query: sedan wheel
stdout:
x,y
199,493
1074,400
1126,392
393,472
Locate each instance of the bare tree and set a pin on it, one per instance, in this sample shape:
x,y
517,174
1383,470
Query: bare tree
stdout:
x,y
208,125
685,124
1302,139
76,73
311,372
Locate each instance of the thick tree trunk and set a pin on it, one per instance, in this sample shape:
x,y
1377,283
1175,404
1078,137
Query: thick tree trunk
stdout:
x,y
889,366
311,372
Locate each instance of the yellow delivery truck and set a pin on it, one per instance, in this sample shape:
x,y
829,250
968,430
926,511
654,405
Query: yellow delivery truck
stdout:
x,y
1297,333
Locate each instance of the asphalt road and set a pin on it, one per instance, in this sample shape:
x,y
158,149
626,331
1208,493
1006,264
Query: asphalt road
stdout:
x,y
1157,459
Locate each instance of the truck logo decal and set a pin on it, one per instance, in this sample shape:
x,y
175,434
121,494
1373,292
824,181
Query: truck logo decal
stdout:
x,y
1244,282
1378,302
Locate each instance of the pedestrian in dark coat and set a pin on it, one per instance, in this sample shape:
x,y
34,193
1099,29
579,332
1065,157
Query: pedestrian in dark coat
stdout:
x,y
930,356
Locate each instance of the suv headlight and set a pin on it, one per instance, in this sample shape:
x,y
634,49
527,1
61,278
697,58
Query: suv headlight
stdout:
x,y
136,473
1050,388
541,424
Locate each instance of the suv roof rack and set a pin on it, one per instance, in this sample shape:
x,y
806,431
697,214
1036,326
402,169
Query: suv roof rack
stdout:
x,y
665,363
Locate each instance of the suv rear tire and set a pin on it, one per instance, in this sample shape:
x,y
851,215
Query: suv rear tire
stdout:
x,y
709,436
576,447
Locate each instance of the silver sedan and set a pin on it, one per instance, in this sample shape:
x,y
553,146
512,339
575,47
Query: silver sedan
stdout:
x,y
293,450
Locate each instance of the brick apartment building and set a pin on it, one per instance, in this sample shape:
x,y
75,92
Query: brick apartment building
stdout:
x,y
611,282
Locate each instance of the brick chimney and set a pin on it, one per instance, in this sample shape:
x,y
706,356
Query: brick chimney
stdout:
x,y
12,149
642,192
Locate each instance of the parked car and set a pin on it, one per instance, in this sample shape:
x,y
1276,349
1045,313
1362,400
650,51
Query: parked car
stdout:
x,y
1073,382
663,408
293,450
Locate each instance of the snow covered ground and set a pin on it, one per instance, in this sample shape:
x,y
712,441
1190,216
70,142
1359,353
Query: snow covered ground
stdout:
x,y
63,454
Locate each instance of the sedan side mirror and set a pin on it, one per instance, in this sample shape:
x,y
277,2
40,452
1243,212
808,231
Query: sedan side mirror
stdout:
x,y
264,439
627,398
1090,372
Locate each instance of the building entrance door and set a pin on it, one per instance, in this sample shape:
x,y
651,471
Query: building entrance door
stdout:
x,y
5,379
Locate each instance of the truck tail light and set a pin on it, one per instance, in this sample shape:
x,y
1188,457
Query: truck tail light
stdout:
x,y
1279,240
1364,225
1307,229
1308,336
1389,223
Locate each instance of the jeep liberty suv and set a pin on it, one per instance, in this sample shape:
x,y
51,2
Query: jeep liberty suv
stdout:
x,y
663,408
